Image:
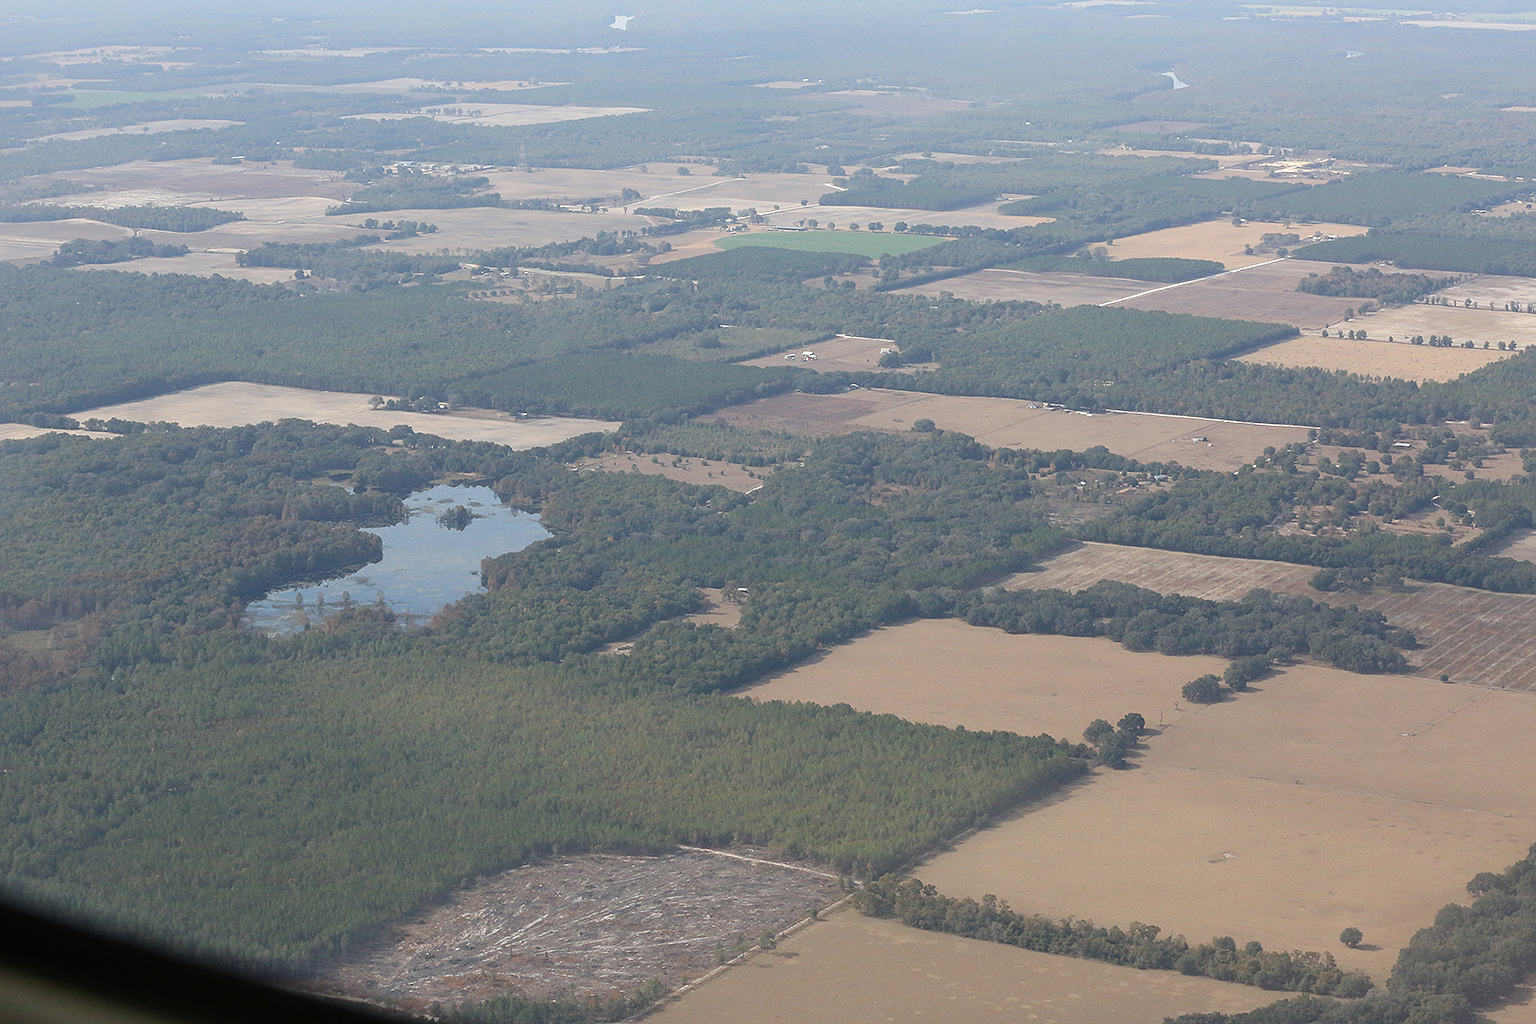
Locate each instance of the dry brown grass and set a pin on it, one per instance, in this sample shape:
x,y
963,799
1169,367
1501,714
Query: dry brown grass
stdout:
x,y
1265,292
1024,684
688,470
1216,240
237,403
1321,800
853,968
506,115
1324,800
1011,423
1002,285
1376,357
845,352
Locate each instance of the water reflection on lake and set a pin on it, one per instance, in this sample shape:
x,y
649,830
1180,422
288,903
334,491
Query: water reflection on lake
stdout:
x,y
426,564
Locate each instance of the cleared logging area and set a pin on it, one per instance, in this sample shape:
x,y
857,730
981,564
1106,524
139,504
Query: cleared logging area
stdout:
x,y
598,924
1473,636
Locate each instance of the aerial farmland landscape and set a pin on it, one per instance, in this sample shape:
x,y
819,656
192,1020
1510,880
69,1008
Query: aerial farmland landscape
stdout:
x,y
817,513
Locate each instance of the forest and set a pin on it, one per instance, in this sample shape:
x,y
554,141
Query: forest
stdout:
x,y
867,530
281,800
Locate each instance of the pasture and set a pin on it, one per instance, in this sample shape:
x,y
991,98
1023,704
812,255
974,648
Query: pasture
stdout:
x,y
684,469
854,968
1217,240
873,244
237,403
505,115
1012,423
1319,800
998,284
844,352
1376,357
1473,636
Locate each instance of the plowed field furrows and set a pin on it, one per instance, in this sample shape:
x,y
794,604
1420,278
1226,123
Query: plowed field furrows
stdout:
x,y
1473,636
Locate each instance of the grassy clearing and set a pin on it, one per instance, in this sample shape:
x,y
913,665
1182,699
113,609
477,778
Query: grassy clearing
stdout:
x,y
873,244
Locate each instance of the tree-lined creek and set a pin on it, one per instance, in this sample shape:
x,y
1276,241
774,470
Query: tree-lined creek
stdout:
x,y
426,565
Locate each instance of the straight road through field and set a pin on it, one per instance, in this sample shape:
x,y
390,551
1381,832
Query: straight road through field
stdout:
x,y
1180,284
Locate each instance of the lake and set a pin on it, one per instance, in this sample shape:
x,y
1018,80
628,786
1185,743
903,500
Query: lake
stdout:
x,y
426,564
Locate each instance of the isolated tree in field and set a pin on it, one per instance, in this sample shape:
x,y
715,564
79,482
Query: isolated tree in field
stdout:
x,y
1097,730
1133,724
924,426
1351,937
1205,690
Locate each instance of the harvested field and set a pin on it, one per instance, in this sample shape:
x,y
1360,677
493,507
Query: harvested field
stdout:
x,y
1012,423
18,431
490,228
1521,544
854,968
998,284
39,240
677,467
200,264
1460,323
1473,636
660,186
180,182
507,115
603,925
237,403
1376,357
1263,291
1321,801
844,352
1215,240
873,244
1490,291
896,103
180,124
1024,684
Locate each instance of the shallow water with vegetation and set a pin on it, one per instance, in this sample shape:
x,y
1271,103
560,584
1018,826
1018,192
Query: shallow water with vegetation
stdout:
x,y
431,559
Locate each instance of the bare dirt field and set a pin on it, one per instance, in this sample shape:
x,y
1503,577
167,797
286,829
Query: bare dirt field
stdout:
x,y
687,470
659,184
854,968
1024,684
1376,357
1264,291
1011,423
603,924
1216,240
844,352
237,403
1473,636
998,284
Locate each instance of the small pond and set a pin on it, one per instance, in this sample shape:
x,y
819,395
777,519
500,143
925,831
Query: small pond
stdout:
x,y
427,564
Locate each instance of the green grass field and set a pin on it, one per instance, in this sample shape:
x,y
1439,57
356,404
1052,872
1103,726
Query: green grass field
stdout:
x,y
873,244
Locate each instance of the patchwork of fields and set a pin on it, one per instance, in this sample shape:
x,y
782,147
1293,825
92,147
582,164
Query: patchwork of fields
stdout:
x,y
1473,636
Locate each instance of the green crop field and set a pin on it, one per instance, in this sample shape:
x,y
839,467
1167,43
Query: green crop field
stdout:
x,y
860,243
